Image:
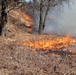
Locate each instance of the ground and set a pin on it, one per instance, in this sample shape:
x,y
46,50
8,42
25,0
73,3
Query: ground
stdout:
x,y
16,59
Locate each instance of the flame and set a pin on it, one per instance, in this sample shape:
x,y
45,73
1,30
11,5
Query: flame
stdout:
x,y
56,44
30,29
29,22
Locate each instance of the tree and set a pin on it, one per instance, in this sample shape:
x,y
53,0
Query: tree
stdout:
x,y
44,8
42,21
5,7
3,17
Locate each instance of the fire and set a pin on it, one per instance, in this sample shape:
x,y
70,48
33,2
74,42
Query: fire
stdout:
x,y
28,19
29,22
30,29
56,44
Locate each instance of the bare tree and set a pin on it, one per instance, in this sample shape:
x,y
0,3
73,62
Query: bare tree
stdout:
x,y
5,7
3,17
44,8
41,17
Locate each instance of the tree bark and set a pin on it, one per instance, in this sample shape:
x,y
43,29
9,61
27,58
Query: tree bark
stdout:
x,y
3,17
46,13
41,18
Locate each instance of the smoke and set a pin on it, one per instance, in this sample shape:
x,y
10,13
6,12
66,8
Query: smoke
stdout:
x,y
62,23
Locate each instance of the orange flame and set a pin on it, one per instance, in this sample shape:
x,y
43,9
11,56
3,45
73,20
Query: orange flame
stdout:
x,y
55,44
29,22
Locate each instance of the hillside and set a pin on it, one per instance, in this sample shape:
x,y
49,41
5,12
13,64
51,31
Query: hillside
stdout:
x,y
17,59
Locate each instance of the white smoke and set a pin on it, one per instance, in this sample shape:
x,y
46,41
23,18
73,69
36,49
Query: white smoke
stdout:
x,y
63,23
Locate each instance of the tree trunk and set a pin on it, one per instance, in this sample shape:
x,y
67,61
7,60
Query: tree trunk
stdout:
x,y
46,13
41,18
43,21
3,17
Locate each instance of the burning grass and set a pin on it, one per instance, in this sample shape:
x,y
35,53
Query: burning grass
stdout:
x,y
51,44
29,22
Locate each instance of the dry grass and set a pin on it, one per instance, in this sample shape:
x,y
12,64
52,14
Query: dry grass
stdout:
x,y
18,60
